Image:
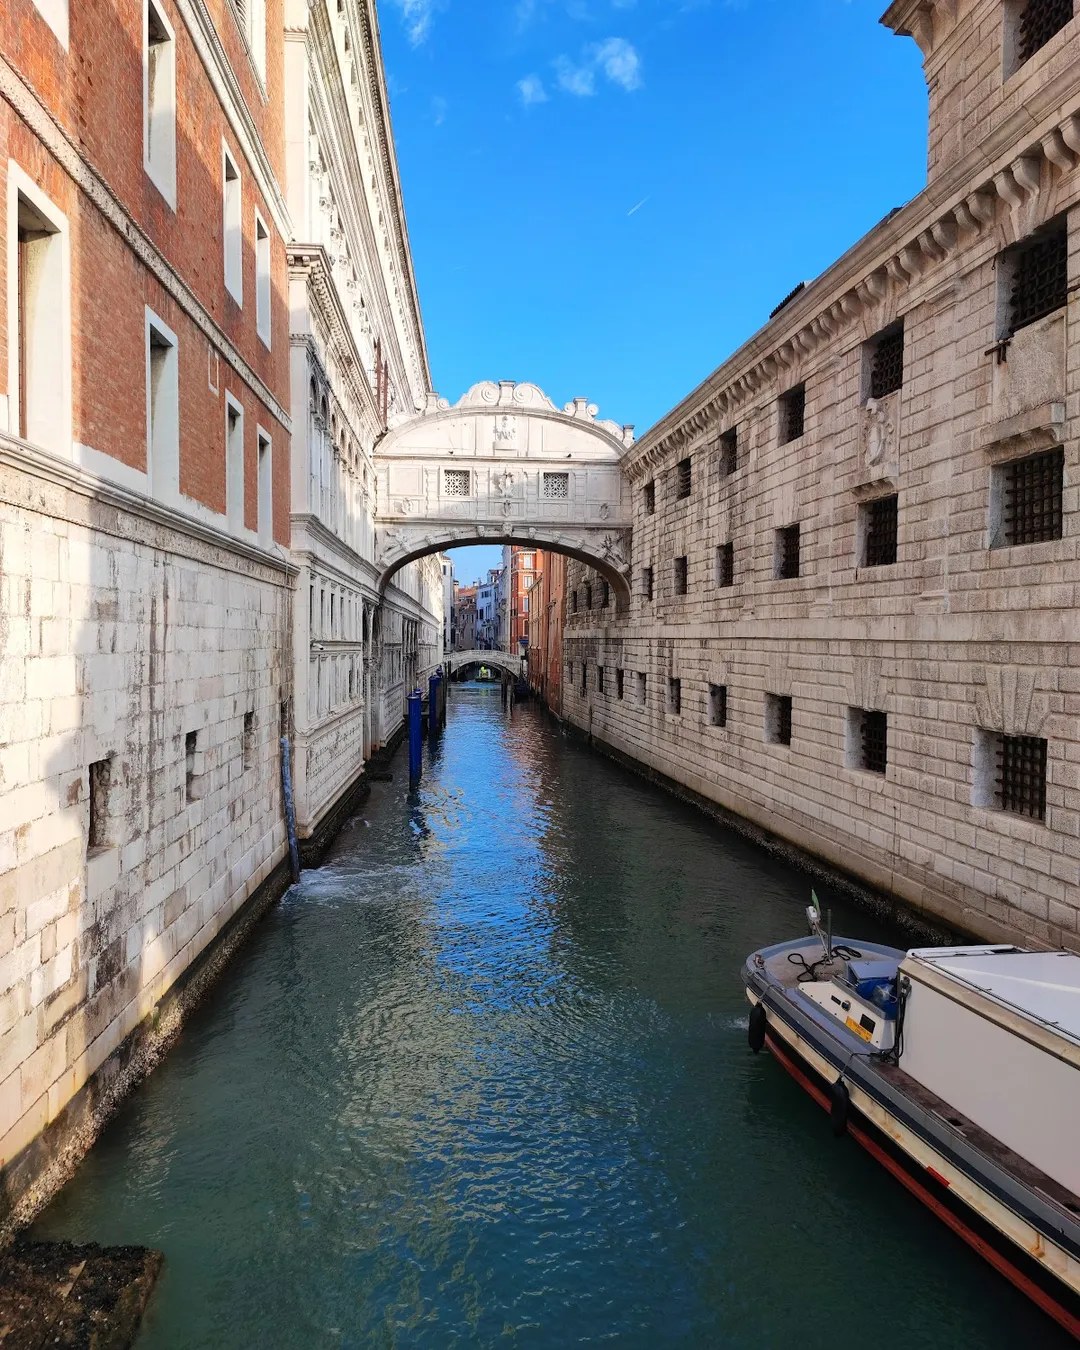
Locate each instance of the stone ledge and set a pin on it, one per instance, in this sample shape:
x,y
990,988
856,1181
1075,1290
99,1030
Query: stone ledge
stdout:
x,y
1039,428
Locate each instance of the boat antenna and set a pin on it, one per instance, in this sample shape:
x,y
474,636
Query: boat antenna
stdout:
x,y
828,934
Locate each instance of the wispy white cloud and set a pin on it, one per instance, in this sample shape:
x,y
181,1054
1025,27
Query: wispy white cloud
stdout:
x,y
418,16
531,90
574,79
615,58
439,108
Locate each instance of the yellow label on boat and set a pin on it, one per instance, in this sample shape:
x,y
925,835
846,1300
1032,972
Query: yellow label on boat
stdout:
x,y
852,1025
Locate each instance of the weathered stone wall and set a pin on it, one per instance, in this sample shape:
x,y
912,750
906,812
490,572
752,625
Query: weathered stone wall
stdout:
x,y
124,632
960,639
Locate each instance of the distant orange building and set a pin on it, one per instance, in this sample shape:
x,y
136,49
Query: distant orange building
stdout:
x,y
546,610
523,566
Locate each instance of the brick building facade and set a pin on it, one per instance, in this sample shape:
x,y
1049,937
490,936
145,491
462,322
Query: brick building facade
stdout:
x,y
855,546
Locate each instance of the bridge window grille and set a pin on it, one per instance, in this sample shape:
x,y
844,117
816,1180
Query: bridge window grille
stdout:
x,y
1039,21
674,705
778,719
599,679
618,682
556,486
683,479
787,553
871,739
1032,498
881,523
649,494
605,595
792,414
588,595
457,482
718,705
647,582
887,363
1021,775
1040,276
729,452
725,565
681,575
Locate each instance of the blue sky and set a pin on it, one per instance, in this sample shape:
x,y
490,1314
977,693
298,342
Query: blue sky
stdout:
x,y
607,196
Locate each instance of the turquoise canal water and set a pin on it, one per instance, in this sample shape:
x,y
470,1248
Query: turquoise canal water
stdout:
x,y
483,1081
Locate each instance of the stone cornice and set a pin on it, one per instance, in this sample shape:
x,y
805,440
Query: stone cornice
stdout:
x,y
927,21
28,106
1009,177
321,533
220,547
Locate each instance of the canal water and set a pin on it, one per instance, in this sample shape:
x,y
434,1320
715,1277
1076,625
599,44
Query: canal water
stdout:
x,y
483,1081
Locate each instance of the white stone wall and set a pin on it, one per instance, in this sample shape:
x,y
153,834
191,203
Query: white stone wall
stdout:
x,y
120,635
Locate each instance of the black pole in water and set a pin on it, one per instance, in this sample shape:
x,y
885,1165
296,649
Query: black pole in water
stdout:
x,y
416,736
290,808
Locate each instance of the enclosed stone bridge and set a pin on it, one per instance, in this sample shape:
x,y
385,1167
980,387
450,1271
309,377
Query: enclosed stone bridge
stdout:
x,y
512,665
505,466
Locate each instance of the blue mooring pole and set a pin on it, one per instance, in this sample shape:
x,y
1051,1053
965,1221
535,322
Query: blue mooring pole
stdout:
x,y
416,736
433,705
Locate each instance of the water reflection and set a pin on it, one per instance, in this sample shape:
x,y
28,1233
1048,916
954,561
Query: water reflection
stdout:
x,y
483,1081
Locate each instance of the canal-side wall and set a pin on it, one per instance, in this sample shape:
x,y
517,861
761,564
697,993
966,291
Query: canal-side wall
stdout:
x,y
965,645
146,680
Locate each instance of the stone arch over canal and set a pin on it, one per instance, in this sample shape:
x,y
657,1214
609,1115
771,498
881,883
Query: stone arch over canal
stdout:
x,y
506,466
504,661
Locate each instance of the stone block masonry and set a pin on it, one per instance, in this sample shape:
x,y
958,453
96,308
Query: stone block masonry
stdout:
x,y
856,547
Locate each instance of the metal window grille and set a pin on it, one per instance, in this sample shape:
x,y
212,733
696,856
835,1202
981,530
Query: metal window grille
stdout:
x,y
781,715
574,600
787,552
874,734
887,368
675,696
584,677
650,499
1039,21
680,576
642,686
725,565
729,452
556,486
588,595
1021,785
683,479
793,413
1040,279
618,682
599,679
718,705
1033,498
881,521
605,595
647,582
457,482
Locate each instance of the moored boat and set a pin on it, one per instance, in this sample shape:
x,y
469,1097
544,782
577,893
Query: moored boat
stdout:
x,y
958,1068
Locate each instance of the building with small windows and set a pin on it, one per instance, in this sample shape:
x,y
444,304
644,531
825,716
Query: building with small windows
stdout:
x,y
856,546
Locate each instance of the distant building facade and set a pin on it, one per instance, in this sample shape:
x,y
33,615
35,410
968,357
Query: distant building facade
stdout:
x,y
520,567
547,616
466,618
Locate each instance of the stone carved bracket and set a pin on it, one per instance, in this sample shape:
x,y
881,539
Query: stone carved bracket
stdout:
x,y
1006,700
868,686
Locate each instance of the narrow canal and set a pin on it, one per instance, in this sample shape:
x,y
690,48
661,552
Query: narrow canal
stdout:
x,y
483,1080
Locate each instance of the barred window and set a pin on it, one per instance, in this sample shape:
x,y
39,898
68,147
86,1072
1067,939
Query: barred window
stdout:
x,y
683,479
729,452
680,575
868,740
887,363
618,682
787,553
574,600
599,679
725,565
647,582
457,482
1021,775
674,704
650,498
584,677
556,486
792,414
1039,269
778,719
718,705
605,595
880,522
588,595
642,687
1031,498
1039,21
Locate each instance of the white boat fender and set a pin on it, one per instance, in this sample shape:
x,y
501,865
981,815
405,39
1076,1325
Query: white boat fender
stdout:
x,y
758,1020
839,1104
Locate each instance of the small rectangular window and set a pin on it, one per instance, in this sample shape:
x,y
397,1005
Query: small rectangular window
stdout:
x,y
1036,273
556,486
868,740
647,582
649,493
266,490
879,529
642,687
786,557
262,280
792,414
599,679
574,600
248,741
232,215
100,783
234,464
683,479
674,700
725,565
1027,495
718,705
588,595
887,362
192,784
680,575
162,410
159,101
729,452
40,392
457,482
1010,773
1039,21
618,682
584,678
778,719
